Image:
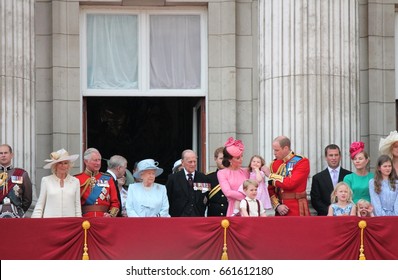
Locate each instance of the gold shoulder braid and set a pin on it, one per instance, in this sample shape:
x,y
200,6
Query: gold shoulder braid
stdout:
x,y
89,182
3,181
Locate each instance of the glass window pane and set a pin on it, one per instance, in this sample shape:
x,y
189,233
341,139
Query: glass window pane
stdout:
x,y
112,51
175,52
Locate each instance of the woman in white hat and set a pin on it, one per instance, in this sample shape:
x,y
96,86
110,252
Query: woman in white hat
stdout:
x,y
60,192
389,146
147,198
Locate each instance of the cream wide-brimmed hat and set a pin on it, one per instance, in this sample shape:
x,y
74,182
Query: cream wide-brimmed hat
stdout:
x,y
386,143
58,156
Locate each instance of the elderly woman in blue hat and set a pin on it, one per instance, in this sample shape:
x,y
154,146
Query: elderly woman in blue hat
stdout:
x,y
147,198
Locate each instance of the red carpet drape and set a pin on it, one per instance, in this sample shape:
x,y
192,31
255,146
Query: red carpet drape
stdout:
x,y
275,238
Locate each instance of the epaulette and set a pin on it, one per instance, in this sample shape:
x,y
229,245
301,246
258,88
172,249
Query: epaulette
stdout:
x,y
297,155
106,175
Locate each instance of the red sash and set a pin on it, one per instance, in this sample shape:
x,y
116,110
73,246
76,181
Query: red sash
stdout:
x,y
17,172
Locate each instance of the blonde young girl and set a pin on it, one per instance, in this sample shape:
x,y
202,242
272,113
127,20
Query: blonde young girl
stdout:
x,y
364,208
342,204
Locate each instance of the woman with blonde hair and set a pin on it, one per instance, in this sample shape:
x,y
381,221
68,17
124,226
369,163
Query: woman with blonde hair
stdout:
x,y
359,179
59,192
389,146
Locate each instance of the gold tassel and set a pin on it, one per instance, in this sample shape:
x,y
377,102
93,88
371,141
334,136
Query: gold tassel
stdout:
x,y
362,226
225,225
86,226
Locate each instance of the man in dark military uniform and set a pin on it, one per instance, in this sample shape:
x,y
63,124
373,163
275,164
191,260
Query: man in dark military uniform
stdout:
x,y
217,203
15,186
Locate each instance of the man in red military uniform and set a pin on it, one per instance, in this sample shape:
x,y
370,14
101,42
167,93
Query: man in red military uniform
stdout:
x,y
97,190
288,175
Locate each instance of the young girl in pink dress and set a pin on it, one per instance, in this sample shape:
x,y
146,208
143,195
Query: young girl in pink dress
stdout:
x,y
256,162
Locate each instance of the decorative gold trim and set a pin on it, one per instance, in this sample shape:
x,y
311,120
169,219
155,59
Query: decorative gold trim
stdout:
x,y
274,201
362,225
276,177
225,225
86,225
113,212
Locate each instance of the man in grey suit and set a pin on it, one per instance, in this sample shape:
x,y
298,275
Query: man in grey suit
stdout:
x,y
324,182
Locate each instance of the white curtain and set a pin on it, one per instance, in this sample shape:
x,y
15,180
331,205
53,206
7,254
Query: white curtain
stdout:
x,y
112,51
175,52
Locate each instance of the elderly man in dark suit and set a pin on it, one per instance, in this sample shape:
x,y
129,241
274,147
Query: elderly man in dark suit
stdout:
x,y
324,182
187,189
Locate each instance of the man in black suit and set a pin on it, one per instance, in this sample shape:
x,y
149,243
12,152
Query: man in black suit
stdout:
x,y
187,189
324,182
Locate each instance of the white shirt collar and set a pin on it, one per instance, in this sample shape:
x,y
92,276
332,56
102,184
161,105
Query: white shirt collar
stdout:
x,y
337,169
113,174
186,173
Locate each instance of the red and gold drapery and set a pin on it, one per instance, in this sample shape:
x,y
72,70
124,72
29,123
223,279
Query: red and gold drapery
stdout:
x,y
274,238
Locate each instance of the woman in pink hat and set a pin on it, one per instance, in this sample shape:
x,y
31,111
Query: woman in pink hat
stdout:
x,y
233,175
59,192
359,179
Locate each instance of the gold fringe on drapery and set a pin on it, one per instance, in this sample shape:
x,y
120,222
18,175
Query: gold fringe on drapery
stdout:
x,y
225,225
86,225
362,226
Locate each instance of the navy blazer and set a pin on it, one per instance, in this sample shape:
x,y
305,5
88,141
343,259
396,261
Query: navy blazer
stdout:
x,y
322,188
184,200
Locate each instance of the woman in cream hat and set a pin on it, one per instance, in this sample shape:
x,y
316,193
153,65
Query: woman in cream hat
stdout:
x,y
389,146
147,198
60,192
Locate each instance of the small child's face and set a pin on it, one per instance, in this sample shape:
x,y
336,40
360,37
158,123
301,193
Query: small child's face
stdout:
x,y
255,163
342,193
363,209
251,191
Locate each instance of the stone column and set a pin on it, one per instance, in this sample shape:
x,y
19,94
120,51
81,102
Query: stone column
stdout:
x,y
309,76
17,80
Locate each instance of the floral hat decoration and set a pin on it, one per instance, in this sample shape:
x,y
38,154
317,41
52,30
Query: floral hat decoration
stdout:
x,y
234,147
58,156
356,148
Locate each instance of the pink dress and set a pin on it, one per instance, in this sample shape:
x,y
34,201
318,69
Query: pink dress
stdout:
x,y
262,191
230,180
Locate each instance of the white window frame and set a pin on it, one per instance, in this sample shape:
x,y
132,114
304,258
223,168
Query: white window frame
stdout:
x,y
144,89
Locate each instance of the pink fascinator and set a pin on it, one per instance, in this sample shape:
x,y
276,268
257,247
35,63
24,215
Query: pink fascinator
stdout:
x,y
234,147
356,148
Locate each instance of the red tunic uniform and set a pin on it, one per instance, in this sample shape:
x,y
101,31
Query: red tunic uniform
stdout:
x,y
288,184
98,195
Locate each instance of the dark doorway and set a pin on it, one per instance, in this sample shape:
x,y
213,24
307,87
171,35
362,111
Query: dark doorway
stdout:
x,y
141,127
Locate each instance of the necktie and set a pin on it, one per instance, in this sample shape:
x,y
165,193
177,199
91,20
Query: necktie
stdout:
x,y
190,180
334,177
